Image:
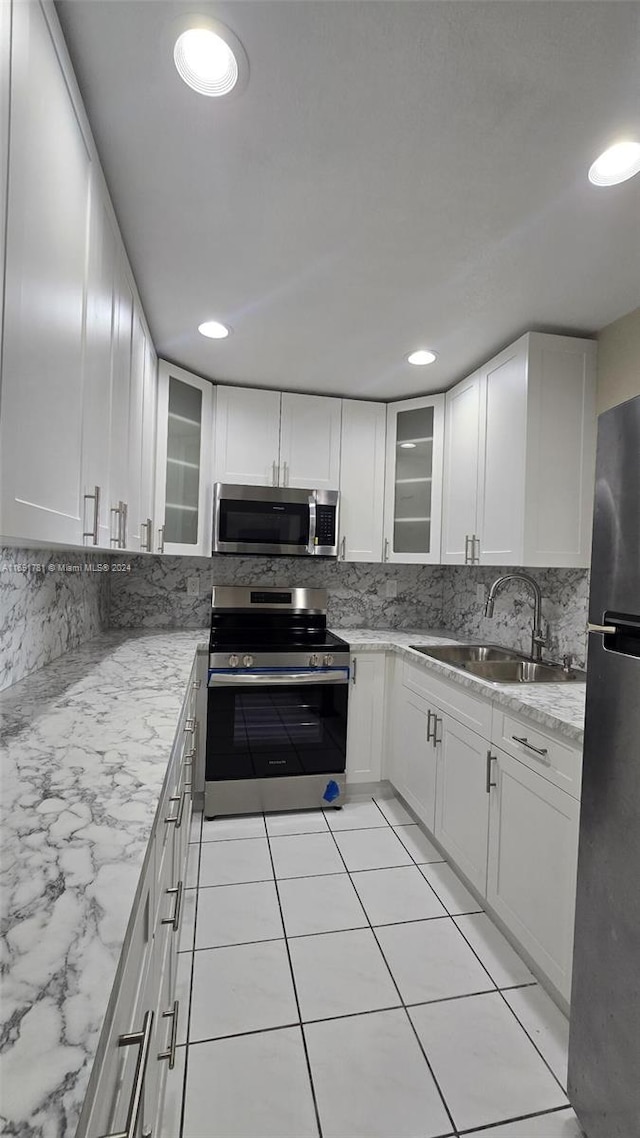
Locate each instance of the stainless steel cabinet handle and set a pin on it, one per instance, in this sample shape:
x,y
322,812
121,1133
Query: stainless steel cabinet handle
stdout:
x,y
343,548
174,798
437,719
161,539
467,539
196,685
189,725
176,892
490,759
116,510
170,1053
542,751
285,481
124,516
386,549
354,669
141,1039
429,715
274,473
476,549
95,498
605,629
148,528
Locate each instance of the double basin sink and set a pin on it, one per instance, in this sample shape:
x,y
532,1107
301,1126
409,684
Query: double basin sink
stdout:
x,y
499,665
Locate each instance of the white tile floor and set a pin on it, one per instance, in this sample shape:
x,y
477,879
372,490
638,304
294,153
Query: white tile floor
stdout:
x,y
337,980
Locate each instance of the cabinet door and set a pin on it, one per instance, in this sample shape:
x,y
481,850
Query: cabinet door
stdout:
x,y
99,330
247,436
135,518
149,418
184,493
362,480
120,395
416,758
413,494
462,813
310,442
502,467
366,718
47,223
533,850
461,460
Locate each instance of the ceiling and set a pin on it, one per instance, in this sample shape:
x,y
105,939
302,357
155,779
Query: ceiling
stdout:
x,y
395,175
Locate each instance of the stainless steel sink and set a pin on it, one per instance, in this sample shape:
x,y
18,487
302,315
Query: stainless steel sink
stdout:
x,y
499,665
522,672
461,654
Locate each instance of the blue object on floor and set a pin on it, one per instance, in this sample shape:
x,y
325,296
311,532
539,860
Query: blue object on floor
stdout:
x,y
332,791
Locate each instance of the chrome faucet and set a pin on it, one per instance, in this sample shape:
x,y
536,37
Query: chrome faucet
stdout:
x,y
538,638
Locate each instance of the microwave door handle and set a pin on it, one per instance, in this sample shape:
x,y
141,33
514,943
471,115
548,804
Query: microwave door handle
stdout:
x,y
311,547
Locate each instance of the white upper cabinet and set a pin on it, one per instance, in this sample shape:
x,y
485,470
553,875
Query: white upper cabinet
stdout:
x,y
520,453
310,441
5,69
149,419
362,480
121,394
46,248
413,493
273,438
247,436
184,489
461,464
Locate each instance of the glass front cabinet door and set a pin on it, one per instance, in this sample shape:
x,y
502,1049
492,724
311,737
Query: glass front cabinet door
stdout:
x,y
184,492
413,496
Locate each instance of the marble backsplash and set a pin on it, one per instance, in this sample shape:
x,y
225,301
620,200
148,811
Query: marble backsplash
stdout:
x,y
564,608
154,594
50,601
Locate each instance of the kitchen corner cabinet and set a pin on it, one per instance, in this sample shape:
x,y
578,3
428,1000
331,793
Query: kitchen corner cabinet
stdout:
x,y
143,1004
413,494
362,480
519,457
184,490
273,438
366,717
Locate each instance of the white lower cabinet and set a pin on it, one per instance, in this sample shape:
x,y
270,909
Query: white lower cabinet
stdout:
x,y
415,757
366,717
533,851
462,810
138,1046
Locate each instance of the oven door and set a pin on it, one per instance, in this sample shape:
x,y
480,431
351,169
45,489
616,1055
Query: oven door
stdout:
x,y
271,724
262,519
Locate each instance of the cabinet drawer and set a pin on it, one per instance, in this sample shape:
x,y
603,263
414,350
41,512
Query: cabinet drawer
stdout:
x,y
469,709
555,759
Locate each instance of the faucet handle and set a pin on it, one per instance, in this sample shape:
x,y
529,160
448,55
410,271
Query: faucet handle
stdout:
x,y
567,662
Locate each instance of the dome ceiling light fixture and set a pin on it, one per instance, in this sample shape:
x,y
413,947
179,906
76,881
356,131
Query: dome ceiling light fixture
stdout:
x,y
421,357
214,330
616,164
210,58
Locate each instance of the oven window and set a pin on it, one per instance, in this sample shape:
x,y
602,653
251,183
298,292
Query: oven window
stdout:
x,y
264,523
268,732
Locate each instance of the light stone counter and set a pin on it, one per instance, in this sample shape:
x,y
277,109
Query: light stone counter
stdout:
x,y
85,746
559,707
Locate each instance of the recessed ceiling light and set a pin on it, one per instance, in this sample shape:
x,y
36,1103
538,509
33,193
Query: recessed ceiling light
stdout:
x,y
214,329
209,58
407,446
616,164
421,357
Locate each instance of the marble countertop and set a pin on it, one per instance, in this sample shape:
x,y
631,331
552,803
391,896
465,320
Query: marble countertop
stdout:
x,y
85,747
558,707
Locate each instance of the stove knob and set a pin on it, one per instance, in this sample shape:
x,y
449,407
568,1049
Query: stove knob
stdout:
x,y
247,661
328,661
233,661
314,661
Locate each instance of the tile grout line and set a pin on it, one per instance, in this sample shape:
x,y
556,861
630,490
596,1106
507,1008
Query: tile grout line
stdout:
x,y
295,989
533,1042
509,1121
402,1003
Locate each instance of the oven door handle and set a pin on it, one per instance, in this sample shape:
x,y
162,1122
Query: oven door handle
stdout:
x,y
226,679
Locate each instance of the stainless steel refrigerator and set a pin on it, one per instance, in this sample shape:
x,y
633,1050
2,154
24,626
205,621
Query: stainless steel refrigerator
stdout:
x,y
604,1046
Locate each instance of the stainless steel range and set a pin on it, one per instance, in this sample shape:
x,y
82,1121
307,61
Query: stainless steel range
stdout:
x,y
277,702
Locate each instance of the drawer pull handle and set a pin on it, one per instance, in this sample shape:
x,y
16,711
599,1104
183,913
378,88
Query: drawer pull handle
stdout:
x,y
429,735
175,798
170,1053
141,1039
175,919
490,759
542,751
189,725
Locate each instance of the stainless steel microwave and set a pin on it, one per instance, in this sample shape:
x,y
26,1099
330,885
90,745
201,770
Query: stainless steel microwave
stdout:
x,y
275,520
